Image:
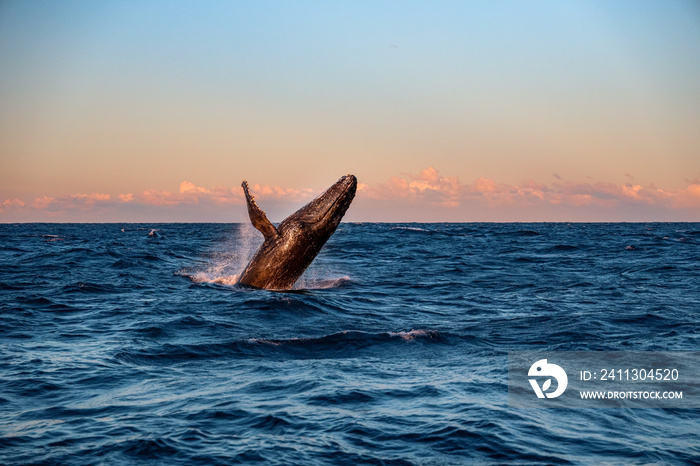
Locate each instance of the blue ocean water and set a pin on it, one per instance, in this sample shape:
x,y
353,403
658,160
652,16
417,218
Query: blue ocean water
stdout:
x,y
131,344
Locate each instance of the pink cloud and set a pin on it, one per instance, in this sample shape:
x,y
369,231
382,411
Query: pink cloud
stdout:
x,y
427,185
431,187
89,199
159,198
189,194
688,197
190,188
72,202
427,191
13,203
483,186
42,203
278,192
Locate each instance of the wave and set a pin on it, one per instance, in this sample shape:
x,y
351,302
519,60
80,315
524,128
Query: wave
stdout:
x,y
321,284
7,286
414,334
521,233
560,248
437,231
404,362
88,287
409,228
356,336
341,344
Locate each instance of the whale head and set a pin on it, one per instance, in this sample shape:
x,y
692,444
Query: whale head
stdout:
x,y
324,213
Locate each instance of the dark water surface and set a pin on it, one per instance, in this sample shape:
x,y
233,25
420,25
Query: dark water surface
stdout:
x,y
122,347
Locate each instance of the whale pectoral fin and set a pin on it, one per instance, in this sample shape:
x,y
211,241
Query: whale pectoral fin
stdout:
x,y
257,216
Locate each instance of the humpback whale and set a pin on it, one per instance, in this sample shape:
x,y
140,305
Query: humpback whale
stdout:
x,y
290,247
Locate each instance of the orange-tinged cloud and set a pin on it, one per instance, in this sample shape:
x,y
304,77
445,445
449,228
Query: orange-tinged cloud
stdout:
x,y
431,187
278,192
91,198
191,188
41,203
428,185
160,198
632,191
13,203
73,202
484,185
688,197
426,190
190,193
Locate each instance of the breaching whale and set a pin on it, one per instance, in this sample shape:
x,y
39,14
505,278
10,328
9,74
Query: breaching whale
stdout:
x,y
289,248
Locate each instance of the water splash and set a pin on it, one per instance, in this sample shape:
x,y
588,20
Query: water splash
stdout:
x,y
205,277
226,265
320,276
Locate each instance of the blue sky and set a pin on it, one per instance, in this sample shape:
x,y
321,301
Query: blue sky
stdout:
x,y
104,102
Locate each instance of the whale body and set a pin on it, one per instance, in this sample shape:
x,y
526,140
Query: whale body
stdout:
x,y
290,247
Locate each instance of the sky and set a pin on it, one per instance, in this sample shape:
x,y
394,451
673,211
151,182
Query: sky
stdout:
x,y
151,111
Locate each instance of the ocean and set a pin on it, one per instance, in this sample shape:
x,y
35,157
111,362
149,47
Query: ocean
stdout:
x,y
132,344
